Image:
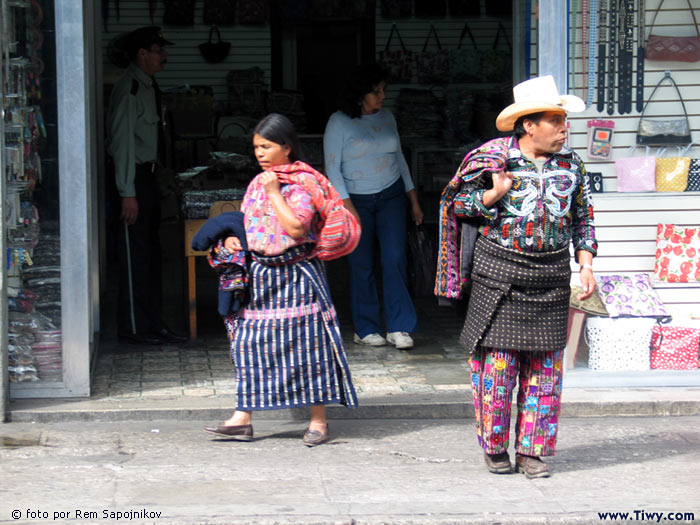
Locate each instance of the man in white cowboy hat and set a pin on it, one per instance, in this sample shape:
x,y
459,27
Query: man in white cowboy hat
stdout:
x,y
531,200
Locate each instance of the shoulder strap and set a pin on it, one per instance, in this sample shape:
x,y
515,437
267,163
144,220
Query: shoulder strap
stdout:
x,y
433,32
692,13
391,34
501,30
667,75
466,31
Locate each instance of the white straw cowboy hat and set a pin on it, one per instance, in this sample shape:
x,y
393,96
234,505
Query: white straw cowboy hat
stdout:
x,y
536,95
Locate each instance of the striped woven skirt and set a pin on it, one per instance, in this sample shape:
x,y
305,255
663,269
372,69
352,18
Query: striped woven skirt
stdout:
x,y
287,348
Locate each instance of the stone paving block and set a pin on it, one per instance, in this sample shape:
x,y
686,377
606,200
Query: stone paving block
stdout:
x,y
160,376
161,384
195,367
198,382
367,381
457,387
123,384
417,389
198,392
380,389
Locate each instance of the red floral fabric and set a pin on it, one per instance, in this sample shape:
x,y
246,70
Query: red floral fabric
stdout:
x,y
675,348
677,254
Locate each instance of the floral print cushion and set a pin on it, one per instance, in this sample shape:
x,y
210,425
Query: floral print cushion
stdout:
x,y
630,296
677,254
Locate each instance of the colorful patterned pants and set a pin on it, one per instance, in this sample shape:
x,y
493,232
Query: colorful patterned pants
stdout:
x,y
494,373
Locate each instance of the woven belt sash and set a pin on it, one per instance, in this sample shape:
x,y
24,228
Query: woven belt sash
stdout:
x,y
613,28
519,301
602,53
625,60
641,43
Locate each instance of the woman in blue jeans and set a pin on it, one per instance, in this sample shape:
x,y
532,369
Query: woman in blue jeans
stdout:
x,y
364,162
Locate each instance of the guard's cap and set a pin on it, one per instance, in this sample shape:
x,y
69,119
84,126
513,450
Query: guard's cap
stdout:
x,y
145,37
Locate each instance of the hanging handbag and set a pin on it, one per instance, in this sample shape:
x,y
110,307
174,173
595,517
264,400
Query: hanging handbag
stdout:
x,y
179,12
693,170
253,12
677,254
219,12
465,63
464,8
673,48
495,62
671,172
433,66
430,8
666,132
393,9
397,63
214,51
636,173
675,348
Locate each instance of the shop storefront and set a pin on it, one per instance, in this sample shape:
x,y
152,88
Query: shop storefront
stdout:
x,y
49,292
454,65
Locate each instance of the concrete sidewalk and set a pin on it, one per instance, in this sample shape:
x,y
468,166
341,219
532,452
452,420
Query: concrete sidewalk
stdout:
x,y
195,380
425,472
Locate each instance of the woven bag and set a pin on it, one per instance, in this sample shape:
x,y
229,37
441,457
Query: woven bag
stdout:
x,y
617,345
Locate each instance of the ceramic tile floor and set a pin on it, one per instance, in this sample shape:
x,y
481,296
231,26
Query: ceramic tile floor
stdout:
x,y
203,368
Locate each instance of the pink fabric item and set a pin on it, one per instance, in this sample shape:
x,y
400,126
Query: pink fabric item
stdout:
x,y
336,234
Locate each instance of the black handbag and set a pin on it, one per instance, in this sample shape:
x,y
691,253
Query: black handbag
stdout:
x,y
179,12
214,51
219,12
664,132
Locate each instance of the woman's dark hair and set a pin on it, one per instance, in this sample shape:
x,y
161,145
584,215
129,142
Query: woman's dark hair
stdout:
x,y
362,80
279,129
519,127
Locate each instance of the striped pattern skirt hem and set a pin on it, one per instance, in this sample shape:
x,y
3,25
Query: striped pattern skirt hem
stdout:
x,y
287,349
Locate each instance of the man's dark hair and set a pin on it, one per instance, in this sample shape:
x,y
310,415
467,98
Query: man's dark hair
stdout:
x,y
519,127
363,79
279,129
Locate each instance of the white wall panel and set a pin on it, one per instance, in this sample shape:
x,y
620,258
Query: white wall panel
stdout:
x,y
250,47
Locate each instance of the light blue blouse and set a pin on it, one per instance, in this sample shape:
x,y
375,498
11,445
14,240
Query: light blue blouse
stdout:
x,y
363,155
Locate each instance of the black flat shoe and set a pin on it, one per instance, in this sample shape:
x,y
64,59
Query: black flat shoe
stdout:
x,y
169,336
140,339
236,432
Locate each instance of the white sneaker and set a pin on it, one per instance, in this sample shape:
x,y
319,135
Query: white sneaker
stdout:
x,y
370,340
400,339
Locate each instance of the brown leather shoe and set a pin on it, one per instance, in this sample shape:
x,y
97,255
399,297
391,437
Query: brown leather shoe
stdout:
x,y
531,466
237,432
498,463
315,437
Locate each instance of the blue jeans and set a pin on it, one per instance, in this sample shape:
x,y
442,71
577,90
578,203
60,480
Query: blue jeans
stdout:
x,y
383,216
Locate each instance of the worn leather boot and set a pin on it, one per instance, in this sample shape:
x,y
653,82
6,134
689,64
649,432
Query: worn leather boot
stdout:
x,y
531,466
498,463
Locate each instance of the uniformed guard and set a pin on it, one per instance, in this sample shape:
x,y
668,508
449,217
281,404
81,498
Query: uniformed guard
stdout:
x,y
135,139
